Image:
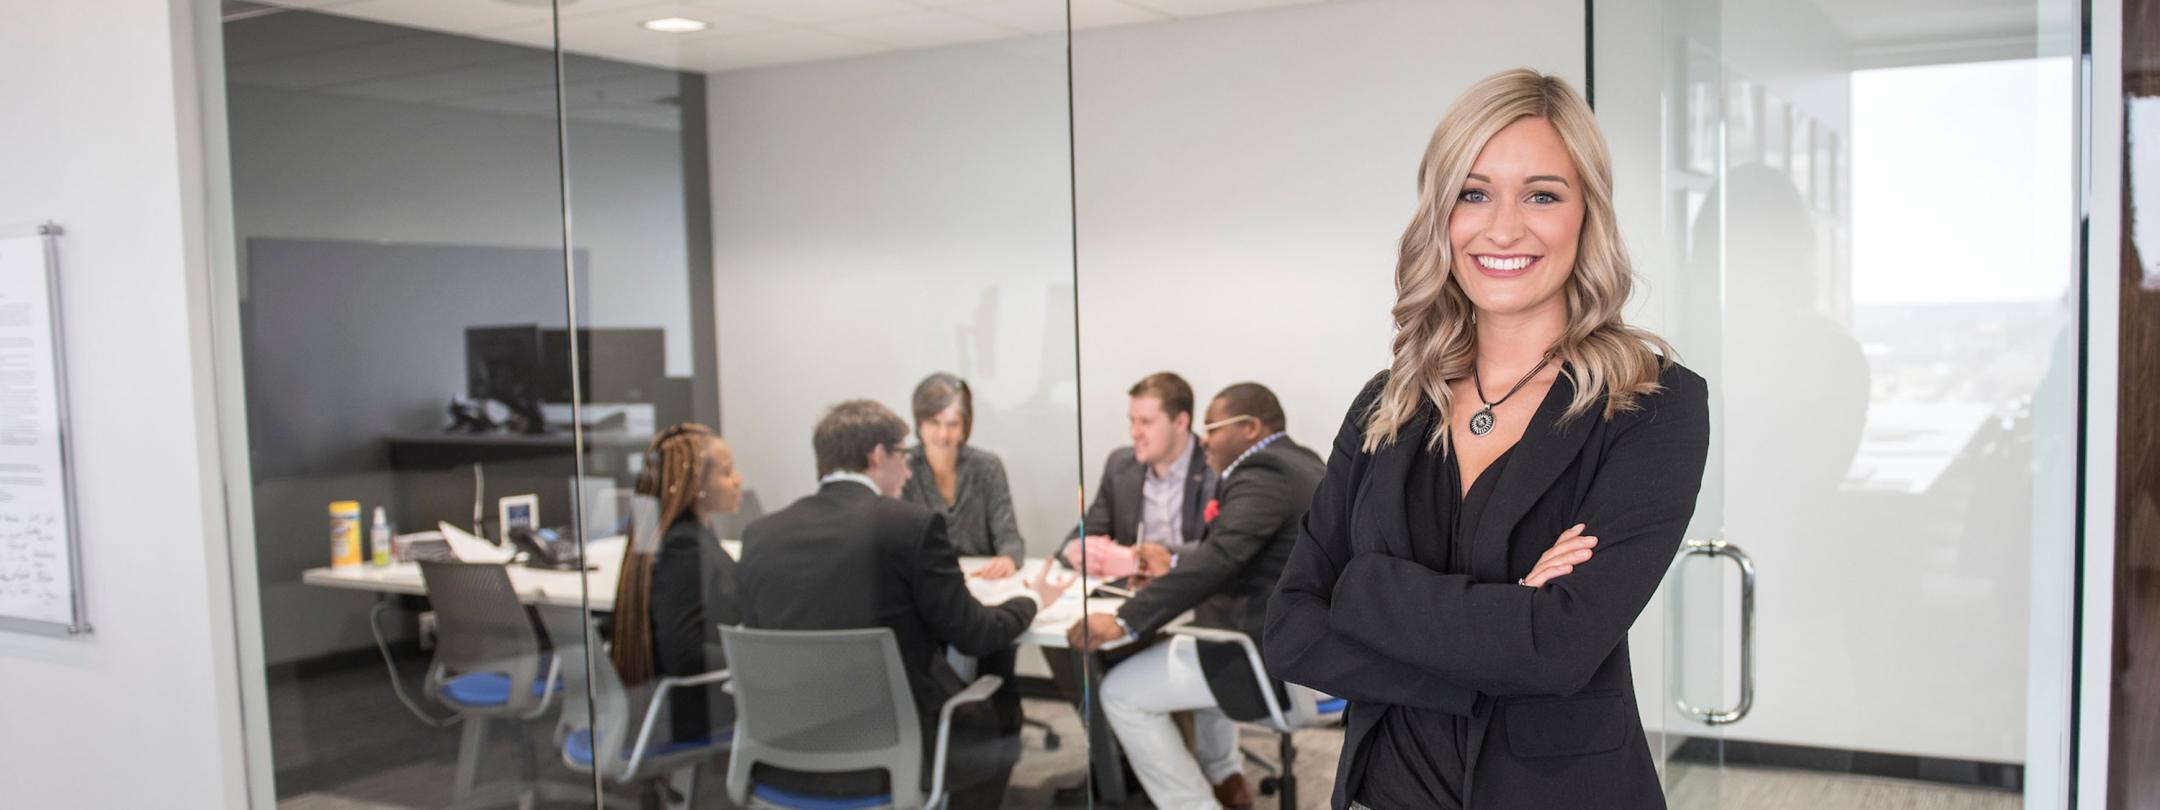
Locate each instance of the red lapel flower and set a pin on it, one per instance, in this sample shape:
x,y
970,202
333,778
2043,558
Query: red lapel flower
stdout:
x,y
1214,507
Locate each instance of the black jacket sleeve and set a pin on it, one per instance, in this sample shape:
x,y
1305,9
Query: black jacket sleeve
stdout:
x,y
1255,505
945,605
1298,644
1503,638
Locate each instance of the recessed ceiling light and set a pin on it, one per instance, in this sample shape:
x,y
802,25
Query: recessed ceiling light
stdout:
x,y
675,25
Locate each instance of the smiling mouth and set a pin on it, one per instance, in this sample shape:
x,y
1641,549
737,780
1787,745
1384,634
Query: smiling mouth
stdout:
x,y
1504,265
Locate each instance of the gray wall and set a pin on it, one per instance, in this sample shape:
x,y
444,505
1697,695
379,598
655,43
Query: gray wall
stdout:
x,y
377,218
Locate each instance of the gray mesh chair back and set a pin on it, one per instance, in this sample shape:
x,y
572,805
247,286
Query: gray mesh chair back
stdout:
x,y
823,701
482,630
599,706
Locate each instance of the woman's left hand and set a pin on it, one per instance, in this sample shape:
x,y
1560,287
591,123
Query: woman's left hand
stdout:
x,y
997,568
1572,549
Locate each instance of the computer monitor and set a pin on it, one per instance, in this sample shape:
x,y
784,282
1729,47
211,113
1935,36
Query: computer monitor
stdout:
x,y
504,363
614,365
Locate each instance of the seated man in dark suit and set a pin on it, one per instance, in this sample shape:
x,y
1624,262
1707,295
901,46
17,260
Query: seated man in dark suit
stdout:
x,y
1152,491
1267,483
852,556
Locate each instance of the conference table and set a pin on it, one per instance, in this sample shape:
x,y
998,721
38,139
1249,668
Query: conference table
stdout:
x,y
595,588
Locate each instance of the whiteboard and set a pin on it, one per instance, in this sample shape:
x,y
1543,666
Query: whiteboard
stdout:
x,y
40,570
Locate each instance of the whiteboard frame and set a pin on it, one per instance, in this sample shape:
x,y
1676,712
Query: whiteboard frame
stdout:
x,y
78,624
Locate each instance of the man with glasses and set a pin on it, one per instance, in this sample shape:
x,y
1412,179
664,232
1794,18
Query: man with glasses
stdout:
x,y
1155,490
1267,483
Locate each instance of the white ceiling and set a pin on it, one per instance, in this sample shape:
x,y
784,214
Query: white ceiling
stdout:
x,y
754,33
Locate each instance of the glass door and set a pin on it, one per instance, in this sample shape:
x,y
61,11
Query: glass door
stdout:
x,y
1867,243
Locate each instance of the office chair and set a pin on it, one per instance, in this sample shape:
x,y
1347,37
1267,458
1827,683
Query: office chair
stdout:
x,y
830,701
489,666
597,733
1305,709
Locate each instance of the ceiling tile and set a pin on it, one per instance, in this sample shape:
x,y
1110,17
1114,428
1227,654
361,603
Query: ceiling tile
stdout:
x,y
1088,14
1202,8
811,12
630,20
1031,16
919,29
454,16
781,46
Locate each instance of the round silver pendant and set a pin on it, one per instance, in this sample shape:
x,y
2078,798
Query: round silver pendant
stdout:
x,y
1481,423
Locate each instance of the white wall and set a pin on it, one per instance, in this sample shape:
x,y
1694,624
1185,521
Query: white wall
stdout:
x,y
101,139
876,220
1243,181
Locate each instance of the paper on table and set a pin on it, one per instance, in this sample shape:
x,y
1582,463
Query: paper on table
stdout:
x,y
473,549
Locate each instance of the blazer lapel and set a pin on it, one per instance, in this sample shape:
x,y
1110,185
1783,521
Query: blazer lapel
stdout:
x,y
1199,489
1545,450
1385,510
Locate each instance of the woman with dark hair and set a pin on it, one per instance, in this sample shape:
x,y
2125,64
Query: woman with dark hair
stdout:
x,y
675,593
965,484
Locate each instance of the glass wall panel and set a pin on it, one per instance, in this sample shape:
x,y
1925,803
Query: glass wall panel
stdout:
x,y
849,221
1870,212
396,195
1244,181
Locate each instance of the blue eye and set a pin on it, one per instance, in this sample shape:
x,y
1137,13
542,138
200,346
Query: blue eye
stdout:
x,y
1544,198
1473,195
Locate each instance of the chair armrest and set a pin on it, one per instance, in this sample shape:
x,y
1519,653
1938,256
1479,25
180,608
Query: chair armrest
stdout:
x,y
548,687
976,692
1252,655
661,688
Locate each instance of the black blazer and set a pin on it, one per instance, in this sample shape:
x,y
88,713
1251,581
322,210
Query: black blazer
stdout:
x,y
1228,579
1543,673
693,593
1118,504
846,558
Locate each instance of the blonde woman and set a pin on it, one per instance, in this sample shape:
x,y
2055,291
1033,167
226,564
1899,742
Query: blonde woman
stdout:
x,y
1502,501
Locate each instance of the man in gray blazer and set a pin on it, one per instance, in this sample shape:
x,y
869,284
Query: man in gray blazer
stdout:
x,y
1155,490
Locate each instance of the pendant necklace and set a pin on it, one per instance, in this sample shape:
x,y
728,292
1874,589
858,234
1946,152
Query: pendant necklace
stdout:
x,y
1481,422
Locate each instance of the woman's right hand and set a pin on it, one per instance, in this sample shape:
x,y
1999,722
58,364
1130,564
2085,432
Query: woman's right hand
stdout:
x,y
1572,549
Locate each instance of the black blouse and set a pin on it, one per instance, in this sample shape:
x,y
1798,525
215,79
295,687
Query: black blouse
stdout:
x,y
1415,757
693,593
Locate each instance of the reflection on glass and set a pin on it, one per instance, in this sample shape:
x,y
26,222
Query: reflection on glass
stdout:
x,y
838,234
404,315
1894,311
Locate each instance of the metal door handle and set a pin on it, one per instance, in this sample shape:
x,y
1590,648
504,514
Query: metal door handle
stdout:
x,y
1720,548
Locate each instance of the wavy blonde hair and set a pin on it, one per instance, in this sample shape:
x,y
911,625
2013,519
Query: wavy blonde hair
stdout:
x,y
1435,335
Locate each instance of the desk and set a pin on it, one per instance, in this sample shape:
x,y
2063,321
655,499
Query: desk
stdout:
x,y
563,588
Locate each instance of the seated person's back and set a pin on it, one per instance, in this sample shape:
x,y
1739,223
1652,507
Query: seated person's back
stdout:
x,y
676,585
852,557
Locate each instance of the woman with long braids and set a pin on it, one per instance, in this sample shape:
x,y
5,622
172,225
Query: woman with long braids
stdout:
x,y
671,600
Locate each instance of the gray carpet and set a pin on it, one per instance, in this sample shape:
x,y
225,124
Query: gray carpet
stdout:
x,y
343,742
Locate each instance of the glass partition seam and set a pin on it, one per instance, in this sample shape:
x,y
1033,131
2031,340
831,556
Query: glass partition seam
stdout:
x,y
1072,213
577,393
2081,263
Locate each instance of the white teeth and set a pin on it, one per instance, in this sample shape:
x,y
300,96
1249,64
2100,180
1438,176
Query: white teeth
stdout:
x,y
1492,263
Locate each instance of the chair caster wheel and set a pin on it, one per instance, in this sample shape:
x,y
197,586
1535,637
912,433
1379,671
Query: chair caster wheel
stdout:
x,y
1270,786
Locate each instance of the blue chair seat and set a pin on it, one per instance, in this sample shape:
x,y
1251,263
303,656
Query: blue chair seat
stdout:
x,y
1332,706
485,689
579,745
802,801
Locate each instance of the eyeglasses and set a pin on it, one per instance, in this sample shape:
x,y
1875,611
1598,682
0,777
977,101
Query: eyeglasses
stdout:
x,y
1211,426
